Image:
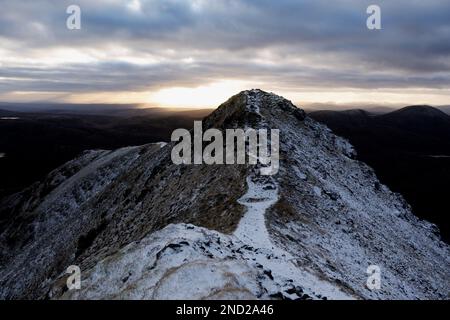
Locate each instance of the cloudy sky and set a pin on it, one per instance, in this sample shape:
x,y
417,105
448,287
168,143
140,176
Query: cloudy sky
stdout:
x,y
197,53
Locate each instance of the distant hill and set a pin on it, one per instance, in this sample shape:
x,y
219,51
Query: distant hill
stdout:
x,y
445,109
414,113
65,107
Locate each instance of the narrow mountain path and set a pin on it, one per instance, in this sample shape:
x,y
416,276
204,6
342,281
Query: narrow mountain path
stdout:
x,y
262,193
277,262
252,227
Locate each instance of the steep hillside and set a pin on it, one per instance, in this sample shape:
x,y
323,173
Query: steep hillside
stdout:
x,y
409,150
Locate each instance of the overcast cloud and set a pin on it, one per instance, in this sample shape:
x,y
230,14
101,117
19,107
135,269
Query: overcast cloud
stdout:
x,y
289,45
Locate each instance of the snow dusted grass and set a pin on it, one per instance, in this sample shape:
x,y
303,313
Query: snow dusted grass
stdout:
x,y
95,182
343,220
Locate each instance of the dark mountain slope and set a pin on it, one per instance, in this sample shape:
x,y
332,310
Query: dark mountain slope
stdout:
x,y
410,152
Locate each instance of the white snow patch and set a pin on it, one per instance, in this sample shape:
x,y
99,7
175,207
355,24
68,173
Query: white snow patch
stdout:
x,y
299,173
317,191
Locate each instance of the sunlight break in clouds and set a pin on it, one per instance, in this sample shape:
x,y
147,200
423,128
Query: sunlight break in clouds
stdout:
x,y
207,96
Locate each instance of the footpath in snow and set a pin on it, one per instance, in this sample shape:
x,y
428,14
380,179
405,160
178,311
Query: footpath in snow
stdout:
x,y
262,193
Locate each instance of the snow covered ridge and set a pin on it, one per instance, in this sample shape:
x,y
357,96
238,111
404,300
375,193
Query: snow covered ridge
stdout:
x,y
140,226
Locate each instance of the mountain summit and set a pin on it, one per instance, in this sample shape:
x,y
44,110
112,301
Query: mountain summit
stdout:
x,y
141,227
422,110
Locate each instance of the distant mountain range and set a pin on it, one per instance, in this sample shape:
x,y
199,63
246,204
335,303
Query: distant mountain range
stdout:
x,y
409,149
371,108
139,109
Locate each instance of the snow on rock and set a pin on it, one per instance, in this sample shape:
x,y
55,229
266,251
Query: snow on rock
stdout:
x,y
183,261
161,144
317,191
178,262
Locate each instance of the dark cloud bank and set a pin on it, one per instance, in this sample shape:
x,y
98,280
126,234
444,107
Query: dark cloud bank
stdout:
x,y
290,43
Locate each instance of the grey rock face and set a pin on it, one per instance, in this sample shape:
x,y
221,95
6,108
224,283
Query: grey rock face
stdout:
x,y
138,225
